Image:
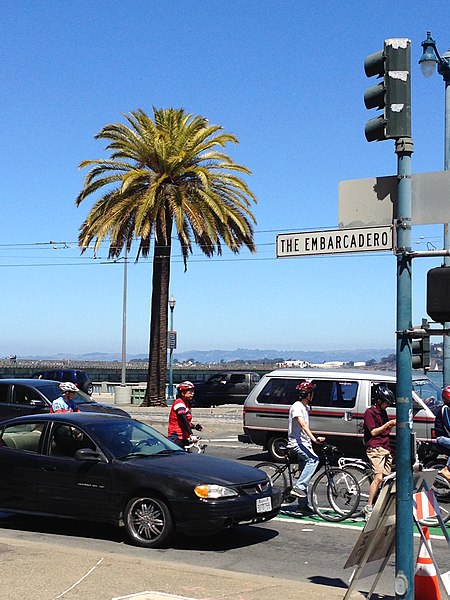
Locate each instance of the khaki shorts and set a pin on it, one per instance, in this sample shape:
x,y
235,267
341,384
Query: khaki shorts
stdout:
x,y
380,459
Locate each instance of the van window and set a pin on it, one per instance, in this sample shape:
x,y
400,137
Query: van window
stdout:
x,y
279,391
338,394
237,378
429,392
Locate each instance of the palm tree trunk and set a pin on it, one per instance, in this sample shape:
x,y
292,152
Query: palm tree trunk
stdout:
x,y
157,365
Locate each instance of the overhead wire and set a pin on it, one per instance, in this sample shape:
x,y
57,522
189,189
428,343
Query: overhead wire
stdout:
x,y
176,257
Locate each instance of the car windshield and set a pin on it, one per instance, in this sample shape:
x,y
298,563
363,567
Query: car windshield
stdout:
x,y
129,439
428,392
53,391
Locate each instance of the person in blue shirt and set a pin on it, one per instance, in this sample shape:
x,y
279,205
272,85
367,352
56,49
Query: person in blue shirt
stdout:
x,y
66,403
442,428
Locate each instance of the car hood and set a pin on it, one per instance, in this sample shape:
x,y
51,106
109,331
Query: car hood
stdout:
x,y
201,468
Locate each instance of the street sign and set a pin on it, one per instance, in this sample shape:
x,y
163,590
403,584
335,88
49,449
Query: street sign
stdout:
x,y
336,241
172,341
373,201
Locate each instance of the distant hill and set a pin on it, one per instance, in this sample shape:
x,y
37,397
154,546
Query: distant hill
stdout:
x,y
217,356
210,356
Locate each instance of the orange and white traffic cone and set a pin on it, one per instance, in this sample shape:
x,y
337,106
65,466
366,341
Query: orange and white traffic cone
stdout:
x,y
426,584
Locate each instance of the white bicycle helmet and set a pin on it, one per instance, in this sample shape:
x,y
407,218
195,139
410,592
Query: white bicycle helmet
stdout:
x,y
68,386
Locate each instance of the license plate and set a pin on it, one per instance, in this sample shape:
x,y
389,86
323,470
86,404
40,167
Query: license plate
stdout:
x,y
263,505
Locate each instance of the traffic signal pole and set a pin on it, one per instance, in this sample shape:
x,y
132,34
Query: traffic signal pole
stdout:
x,y
393,94
404,571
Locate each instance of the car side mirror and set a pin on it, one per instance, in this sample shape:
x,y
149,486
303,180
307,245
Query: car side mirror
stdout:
x,y
86,454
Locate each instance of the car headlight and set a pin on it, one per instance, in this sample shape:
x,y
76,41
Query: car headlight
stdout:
x,y
214,491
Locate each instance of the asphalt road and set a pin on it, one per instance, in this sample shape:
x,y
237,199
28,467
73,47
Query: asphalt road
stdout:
x,y
300,550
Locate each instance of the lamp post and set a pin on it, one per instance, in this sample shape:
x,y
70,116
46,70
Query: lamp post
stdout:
x,y
172,345
428,61
124,321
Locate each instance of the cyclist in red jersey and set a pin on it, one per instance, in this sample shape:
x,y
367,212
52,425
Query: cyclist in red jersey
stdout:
x,y
180,417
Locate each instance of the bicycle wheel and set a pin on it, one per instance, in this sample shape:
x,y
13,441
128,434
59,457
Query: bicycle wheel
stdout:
x,y
364,478
335,494
441,489
295,473
276,474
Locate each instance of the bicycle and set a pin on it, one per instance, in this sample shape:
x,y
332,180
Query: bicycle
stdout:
x,y
196,447
363,473
334,492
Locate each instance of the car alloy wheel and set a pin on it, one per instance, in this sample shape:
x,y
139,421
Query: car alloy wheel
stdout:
x,y
148,522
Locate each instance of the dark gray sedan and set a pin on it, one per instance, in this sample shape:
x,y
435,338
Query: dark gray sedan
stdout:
x,y
114,469
20,397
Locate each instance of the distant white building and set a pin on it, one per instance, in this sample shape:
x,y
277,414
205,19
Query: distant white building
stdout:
x,y
331,364
289,364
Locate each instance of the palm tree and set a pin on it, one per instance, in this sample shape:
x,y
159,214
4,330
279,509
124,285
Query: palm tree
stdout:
x,y
166,173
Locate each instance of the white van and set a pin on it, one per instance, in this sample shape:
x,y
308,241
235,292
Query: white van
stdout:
x,y
340,400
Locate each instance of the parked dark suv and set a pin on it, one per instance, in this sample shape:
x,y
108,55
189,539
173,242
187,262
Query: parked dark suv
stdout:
x,y
34,396
79,378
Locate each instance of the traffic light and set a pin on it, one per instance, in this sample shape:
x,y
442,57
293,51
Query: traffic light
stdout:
x,y
438,294
420,349
393,94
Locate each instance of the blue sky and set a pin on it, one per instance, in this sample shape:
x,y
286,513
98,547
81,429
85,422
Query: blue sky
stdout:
x,y
287,78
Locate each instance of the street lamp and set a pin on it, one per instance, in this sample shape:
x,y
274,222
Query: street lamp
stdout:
x,y
428,61
172,345
124,322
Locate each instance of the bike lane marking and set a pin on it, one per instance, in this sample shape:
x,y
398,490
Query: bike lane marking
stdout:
x,y
435,532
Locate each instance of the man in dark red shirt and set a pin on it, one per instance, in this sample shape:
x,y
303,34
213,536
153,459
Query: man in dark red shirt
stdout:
x,y
377,427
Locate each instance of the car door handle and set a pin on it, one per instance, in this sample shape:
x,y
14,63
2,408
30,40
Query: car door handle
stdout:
x,y
51,468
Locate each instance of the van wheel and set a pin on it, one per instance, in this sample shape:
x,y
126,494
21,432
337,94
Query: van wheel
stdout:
x,y
276,446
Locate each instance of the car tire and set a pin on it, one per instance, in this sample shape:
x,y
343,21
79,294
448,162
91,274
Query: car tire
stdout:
x,y
148,522
89,389
276,446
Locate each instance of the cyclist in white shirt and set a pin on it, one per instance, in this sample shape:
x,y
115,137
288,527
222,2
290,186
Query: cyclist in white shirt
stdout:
x,y
300,439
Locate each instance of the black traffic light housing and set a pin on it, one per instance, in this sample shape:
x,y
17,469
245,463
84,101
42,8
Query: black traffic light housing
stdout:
x,y
393,94
420,349
438,294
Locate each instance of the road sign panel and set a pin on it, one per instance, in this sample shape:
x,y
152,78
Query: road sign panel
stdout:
x,y
336,241
371,202
172,341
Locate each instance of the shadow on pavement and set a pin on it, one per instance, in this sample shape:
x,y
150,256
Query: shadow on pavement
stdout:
x,y
339,583
236,537
59,526
258,457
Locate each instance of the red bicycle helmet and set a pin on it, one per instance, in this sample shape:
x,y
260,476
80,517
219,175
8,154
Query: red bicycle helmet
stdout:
x,y
304,388
184,386
446,393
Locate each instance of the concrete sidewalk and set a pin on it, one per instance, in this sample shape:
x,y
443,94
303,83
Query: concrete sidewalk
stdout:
x,y
227,410
41,571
